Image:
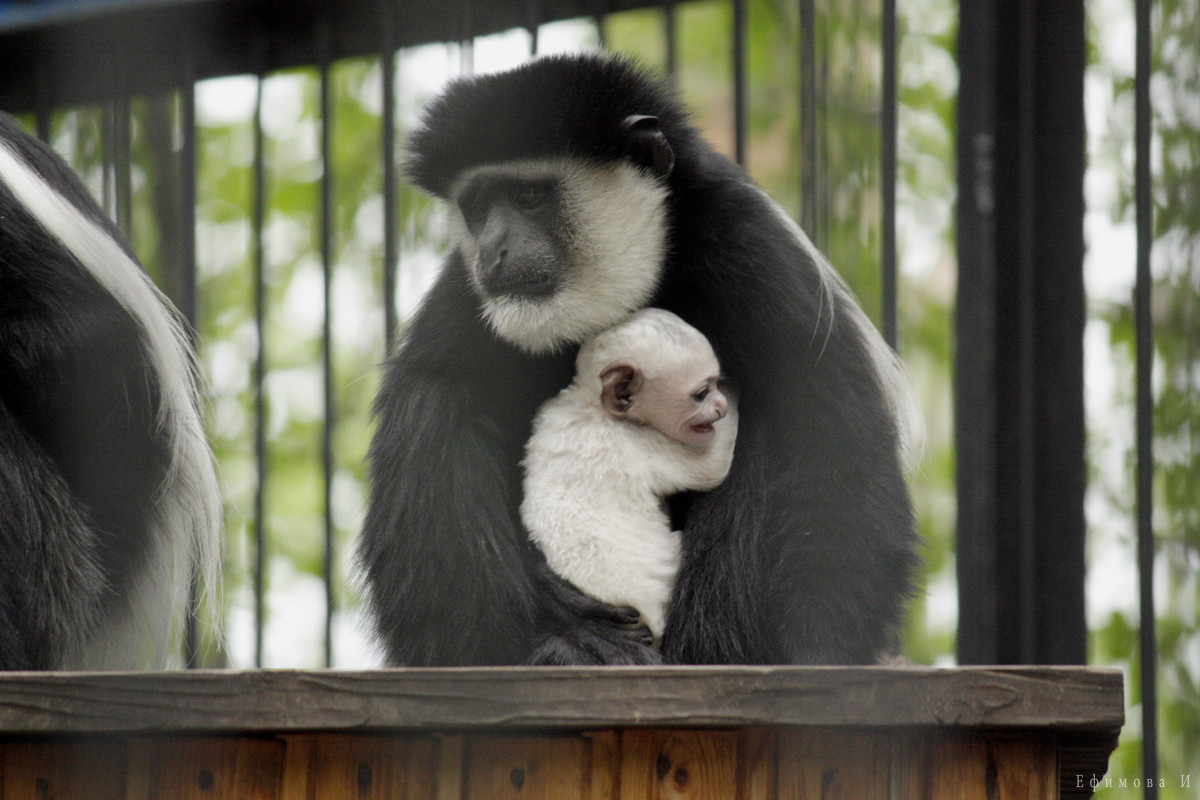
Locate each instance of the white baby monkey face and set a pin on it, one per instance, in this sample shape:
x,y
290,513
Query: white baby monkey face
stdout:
x,y
684,402
684,407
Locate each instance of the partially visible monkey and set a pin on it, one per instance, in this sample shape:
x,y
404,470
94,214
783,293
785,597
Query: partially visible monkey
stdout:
x,y
645,418
108,496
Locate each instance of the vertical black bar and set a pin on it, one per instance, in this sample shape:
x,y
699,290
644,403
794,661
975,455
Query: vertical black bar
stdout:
x,y
1020,316
45,105
600,9
1060,485
976,324
327,458
670,22
108,155
188,302
1026,349
466,40
1145,399
123,163
391,249
739,81
43,125
43,122
888,157
809,183
258,223
533,15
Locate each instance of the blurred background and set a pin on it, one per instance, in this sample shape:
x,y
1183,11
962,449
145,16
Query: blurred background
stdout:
x,y
311,251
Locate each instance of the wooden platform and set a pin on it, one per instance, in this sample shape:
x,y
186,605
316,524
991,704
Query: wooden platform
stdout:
x,y
560,734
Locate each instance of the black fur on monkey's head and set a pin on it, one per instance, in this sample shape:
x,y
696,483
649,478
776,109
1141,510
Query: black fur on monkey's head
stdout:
x,y
574,106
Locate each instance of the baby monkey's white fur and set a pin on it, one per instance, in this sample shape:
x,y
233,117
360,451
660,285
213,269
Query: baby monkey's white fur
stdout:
x,y
595,481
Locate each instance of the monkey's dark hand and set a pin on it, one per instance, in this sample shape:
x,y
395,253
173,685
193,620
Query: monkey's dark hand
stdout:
x,y
588,632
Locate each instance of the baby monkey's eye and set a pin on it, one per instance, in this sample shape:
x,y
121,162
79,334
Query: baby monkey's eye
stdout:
x,y
700,395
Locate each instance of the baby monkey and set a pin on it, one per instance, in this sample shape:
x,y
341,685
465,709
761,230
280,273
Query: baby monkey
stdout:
x,y
644,418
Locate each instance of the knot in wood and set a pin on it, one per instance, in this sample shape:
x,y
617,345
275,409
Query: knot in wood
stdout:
x,y
662,766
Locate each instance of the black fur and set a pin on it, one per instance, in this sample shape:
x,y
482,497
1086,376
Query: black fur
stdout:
x,y
81,455
805,554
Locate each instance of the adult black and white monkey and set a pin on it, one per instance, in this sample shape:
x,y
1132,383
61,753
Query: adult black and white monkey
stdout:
x,y
107,491
579,192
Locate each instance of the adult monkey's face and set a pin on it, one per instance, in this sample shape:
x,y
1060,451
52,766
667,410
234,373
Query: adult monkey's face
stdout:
x,y
559,249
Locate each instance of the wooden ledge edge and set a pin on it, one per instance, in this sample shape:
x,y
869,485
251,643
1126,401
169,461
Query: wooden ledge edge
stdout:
x,y
1071,700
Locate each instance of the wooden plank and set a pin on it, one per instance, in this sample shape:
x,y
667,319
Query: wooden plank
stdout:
x,y
450,774
1026,769
63,770
1070,700
757,764
603,764
832,765
678,764
959,769
908,765
525,768
994,768
203,768
299,768
347,767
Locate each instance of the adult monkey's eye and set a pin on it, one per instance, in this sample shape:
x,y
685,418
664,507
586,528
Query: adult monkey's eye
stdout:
x,y
472,203
529,195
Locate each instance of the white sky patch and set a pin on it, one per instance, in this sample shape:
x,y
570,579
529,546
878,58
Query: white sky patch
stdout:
x,y
226,101
502,51
567,36
1109,270
294,633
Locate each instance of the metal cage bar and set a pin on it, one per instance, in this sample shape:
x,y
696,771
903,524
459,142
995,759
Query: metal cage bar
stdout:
x,y
391,244
739,81
122,141
1025,215
1143,315
672,38
809,182
44,106
888,135
327,255
188,300
1020,315
258,224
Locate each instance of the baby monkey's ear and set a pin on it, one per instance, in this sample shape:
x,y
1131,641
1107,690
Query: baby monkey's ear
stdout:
x,y
620,382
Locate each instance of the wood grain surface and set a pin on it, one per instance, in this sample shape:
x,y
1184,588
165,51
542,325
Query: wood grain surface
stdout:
x,y
632,764
728,733
1067,699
